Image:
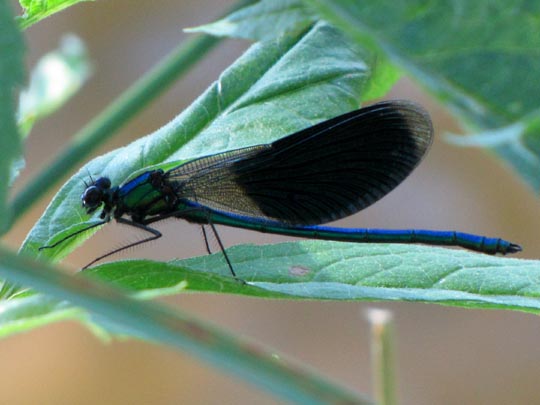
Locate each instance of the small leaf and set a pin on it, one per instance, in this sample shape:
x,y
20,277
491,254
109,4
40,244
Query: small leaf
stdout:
x,y
57,76
385,76
37,10
262,21
489,138
26,313
518,143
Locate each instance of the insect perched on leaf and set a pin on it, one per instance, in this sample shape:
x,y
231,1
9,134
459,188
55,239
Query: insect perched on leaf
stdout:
x,y
319,174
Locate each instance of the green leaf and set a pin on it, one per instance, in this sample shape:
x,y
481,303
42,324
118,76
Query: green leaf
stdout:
x,y
149,321
479,57
274,89
11,77
37,10
57,76
344,271
384,76
267,19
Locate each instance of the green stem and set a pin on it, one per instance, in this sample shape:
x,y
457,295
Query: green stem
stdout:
x,y
117,114
382,356
154,322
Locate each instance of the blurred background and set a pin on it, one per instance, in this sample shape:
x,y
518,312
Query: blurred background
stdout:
x,y
445,355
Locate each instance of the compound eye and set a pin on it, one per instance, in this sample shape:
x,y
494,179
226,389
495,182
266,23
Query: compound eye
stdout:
x,y
103,183
92,198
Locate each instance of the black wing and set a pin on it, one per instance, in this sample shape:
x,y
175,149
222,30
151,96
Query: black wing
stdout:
x,y
320,174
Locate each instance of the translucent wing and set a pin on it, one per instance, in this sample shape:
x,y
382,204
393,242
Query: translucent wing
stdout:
x,y
320,174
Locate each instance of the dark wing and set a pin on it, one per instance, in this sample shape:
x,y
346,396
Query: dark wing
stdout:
x,y
320,174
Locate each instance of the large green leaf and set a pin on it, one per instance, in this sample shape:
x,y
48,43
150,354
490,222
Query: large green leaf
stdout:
x,y
11,77
344,271
276,88
479,57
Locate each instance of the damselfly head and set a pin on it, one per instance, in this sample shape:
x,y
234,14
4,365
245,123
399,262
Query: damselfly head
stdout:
x,y
95,194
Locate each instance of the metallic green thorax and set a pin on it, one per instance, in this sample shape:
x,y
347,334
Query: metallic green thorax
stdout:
x,y
144,196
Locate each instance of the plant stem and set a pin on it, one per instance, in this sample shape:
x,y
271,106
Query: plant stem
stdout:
x,y
382,356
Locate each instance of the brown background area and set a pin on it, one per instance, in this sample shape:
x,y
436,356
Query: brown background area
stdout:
x,y
445,355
